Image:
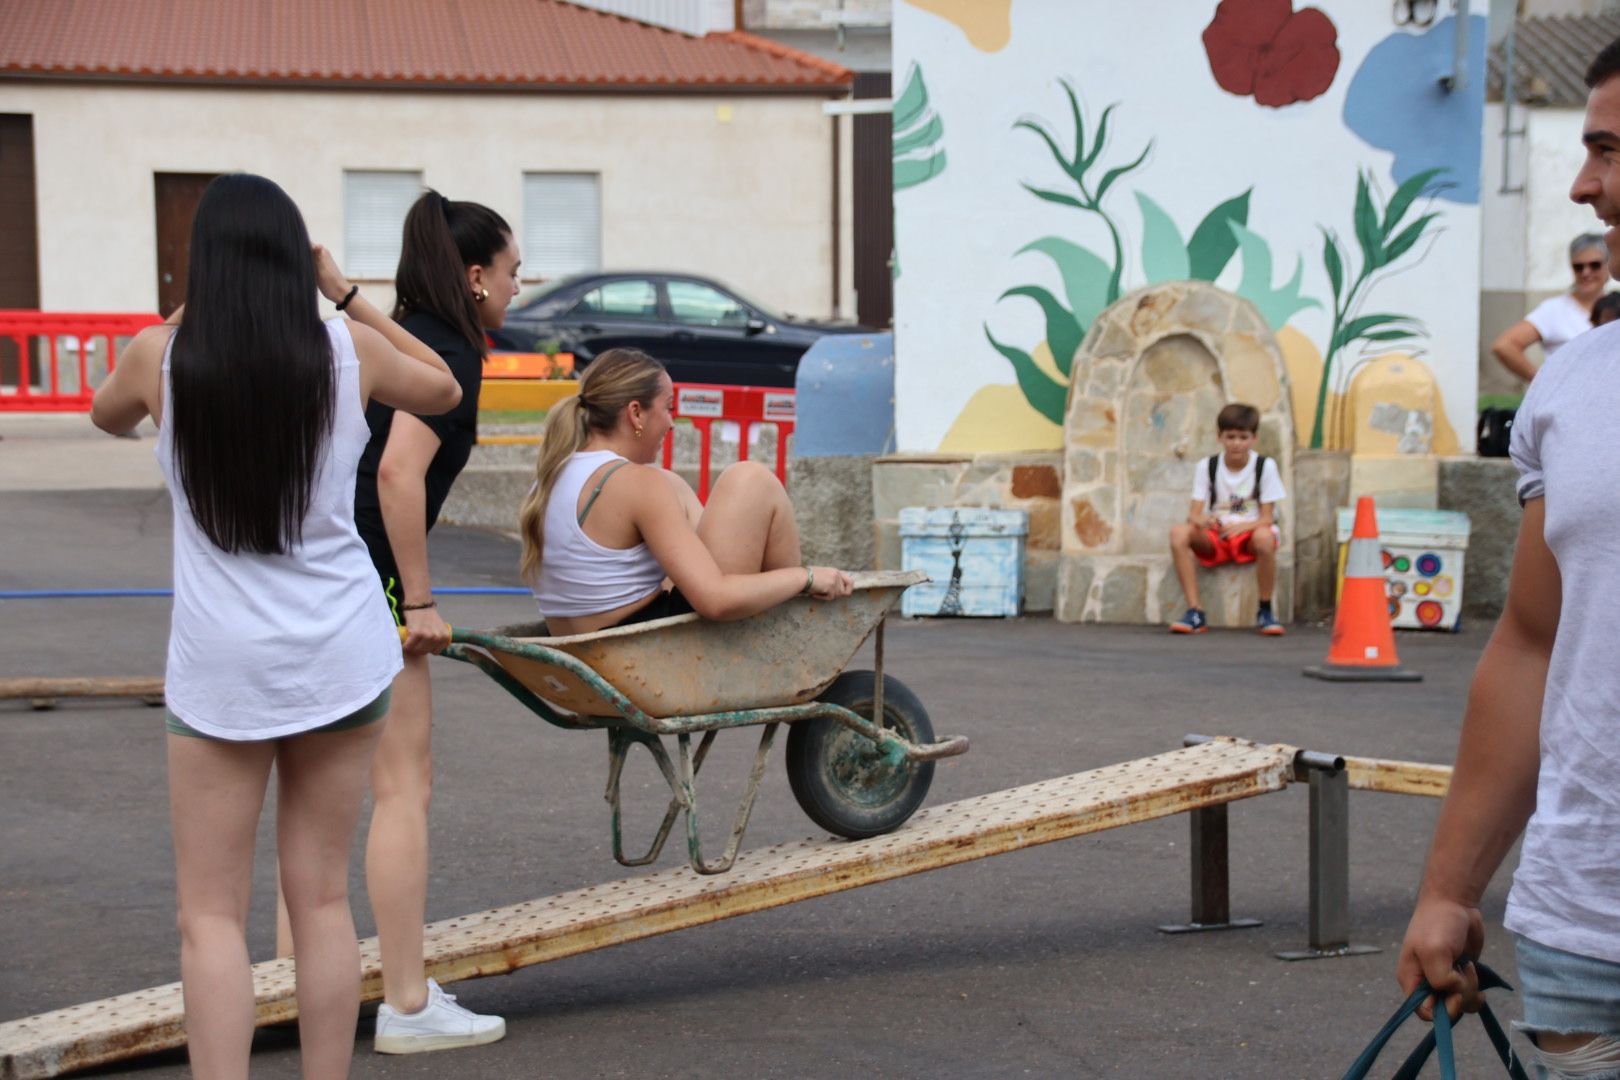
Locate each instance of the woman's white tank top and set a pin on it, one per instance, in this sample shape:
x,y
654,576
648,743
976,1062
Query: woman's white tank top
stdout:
x,y
578,576
265,646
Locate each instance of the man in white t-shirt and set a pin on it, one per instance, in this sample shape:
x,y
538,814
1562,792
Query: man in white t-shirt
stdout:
x,y
1559,319
1231,519
1540,746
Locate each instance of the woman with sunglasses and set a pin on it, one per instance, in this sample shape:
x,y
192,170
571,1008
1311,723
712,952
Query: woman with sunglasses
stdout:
x,y
1554,322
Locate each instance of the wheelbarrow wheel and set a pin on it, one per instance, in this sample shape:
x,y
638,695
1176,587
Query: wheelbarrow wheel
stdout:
x,y
841,778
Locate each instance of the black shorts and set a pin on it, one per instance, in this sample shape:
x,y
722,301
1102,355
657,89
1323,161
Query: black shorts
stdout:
x,y
663,606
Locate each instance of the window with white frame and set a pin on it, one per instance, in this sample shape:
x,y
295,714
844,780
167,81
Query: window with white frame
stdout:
x,y
374,208
562,224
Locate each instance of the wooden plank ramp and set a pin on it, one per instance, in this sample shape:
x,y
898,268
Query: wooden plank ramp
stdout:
x,y
504,939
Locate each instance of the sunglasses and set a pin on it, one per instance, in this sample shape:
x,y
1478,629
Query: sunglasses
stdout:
x,y
1587,267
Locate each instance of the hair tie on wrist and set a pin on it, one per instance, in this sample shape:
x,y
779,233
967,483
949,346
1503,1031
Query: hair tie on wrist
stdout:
x,y
353,291
418,607
809,580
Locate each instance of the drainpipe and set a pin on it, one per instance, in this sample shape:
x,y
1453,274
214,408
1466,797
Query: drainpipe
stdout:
x,y
837,198
1458,78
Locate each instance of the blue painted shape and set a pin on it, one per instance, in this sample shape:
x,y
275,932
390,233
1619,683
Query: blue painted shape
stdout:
x,y
1396,103
845,392
973,555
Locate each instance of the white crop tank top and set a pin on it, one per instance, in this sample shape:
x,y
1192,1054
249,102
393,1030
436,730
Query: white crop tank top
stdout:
x,y
578,576
265,646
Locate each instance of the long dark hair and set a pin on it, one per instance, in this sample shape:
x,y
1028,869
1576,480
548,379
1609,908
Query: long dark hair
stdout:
x,y
442,239
251,372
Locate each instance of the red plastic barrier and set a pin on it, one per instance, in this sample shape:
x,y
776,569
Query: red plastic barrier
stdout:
x,y
33,345
747,406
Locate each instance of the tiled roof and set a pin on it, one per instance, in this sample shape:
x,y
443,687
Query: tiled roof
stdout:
x,y
1550,55
434,44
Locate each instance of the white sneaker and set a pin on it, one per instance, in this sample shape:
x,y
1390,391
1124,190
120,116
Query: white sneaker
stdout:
x,y
440,1024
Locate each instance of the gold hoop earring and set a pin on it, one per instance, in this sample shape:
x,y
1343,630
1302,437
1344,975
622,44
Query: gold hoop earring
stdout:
x,y
638,433
480,295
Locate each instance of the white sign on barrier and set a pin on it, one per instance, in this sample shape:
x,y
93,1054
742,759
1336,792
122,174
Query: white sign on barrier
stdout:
x,y
690,401
780,407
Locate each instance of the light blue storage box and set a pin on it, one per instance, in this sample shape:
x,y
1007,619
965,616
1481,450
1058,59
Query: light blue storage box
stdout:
x,y
975,556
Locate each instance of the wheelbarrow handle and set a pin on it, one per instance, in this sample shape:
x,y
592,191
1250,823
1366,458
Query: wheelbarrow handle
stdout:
x,y
949,746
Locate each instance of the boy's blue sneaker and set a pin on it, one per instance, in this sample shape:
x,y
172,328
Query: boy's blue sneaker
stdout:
x,y
1267,624
1194,622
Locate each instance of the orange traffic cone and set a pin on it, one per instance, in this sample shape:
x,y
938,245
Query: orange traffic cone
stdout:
x,y
1363,648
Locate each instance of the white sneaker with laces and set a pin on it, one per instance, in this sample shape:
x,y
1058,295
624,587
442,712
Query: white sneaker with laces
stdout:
x,y
440,1024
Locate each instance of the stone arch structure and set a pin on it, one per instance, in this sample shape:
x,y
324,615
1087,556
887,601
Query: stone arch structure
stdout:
x,y
1145,386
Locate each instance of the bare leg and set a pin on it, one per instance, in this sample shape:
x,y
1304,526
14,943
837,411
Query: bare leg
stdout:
x,y
216,792
748,525
397,847
321,781
1186,543
1264,543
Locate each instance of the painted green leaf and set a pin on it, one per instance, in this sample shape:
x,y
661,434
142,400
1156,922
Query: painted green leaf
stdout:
x,y
927,134
1334,264
909,172
1044,396
1079,127
1054,196
1085,276
1063,333
1278,305
1357,328
912,102
1213,244
1407,237
1164,256
1403,198
1048,138
1389,335
1102,138
1366,221
1111,175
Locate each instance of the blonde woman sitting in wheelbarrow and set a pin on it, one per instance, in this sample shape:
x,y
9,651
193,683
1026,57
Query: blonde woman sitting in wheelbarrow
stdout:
x,y
609,539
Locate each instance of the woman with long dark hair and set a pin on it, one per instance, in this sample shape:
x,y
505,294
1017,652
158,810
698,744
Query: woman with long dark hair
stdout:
x,y
610,539
458,271
281,649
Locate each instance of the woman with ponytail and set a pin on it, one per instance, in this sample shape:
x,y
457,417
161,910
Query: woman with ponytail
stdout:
x,y
458,271
609,539
281,649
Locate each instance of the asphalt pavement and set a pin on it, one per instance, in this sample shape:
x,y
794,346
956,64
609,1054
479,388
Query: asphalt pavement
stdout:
x,y
1044,962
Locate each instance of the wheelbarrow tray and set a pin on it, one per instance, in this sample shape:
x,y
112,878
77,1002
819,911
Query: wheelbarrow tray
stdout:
x,y
686,665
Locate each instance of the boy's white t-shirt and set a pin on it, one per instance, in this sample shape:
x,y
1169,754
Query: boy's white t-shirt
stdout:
x,y
1234,491
1558,320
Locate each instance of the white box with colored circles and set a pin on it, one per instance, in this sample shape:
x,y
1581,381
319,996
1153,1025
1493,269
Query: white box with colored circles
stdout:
x,y
1424,552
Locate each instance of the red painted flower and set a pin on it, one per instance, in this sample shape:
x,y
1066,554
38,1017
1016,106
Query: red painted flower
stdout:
x,y
1267,49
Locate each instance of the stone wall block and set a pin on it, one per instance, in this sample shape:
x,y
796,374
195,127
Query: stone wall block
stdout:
x,y
1090,520
1124,595
1252,374
1092,423
1040,579
1178,364
886,553
1074,578
1486,489
1082,465
1150,309
1205,307
832,502
1148,517
898,484
1036,481
1045,524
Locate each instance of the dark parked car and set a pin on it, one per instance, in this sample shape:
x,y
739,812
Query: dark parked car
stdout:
x,y
701,330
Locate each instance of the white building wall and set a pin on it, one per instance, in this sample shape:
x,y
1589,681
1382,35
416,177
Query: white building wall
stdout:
x,y
1502,214
688,16
1551,219
739,188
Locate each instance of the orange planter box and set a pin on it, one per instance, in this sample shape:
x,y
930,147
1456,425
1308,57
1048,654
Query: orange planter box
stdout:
x,y
525,395
516,365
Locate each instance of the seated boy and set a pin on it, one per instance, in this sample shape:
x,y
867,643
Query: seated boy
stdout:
x,y
1230,518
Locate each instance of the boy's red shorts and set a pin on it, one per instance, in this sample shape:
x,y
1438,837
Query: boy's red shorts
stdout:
x,y
1237,549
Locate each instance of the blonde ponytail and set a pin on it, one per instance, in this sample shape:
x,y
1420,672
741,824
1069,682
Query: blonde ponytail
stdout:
x,y
613,380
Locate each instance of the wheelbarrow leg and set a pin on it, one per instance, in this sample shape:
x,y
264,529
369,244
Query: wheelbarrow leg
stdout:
x,y
688,793
619,742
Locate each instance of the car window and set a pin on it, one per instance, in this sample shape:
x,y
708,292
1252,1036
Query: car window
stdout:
x,y
625,299
699,305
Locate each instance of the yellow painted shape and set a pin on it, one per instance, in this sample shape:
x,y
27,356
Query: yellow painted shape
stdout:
x,y
1304,363
525,395
997,418
987,23
1042,355
1403,381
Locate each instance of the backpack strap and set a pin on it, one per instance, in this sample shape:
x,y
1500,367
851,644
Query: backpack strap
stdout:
x,y
1214,463
1259,470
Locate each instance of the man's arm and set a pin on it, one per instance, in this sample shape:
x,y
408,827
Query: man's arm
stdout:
x,y
402,493
1493,786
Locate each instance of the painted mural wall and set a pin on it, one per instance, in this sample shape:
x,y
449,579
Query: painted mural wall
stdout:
x,y
1052,155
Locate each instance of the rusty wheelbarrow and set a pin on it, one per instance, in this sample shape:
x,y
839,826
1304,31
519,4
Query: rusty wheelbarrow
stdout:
x,y
860,750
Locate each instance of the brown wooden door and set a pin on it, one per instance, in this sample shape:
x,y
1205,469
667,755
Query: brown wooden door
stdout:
x,y
19,229
176,198
874,205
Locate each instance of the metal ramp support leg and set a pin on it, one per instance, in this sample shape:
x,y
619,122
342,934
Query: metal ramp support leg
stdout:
x,y
1329,863
1211,880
